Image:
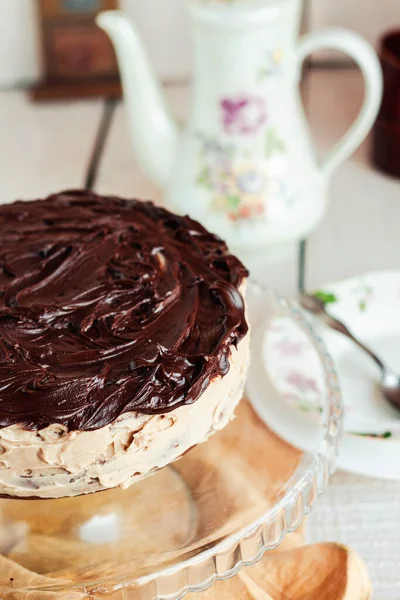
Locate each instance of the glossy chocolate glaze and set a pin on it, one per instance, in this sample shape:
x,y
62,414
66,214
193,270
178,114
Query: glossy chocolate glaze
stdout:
x,y
109,306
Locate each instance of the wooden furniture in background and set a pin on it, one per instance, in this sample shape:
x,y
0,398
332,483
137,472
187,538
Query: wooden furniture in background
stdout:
x,y
78,57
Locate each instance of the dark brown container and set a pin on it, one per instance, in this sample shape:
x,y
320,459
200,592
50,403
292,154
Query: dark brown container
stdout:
x,y
386,146
390,60
386,134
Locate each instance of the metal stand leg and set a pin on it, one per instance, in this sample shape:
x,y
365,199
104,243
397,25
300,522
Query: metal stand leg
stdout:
x,y
99,143
301,283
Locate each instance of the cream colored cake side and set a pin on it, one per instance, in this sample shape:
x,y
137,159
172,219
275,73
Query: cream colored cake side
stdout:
x,y
55,462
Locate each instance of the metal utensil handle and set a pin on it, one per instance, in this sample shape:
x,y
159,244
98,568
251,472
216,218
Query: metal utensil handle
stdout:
x,y
317,307
341,327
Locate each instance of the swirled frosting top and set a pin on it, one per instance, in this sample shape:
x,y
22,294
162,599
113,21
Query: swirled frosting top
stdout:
x,y
109,306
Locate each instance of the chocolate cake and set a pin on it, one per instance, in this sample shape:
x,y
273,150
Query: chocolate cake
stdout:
x,y
122,341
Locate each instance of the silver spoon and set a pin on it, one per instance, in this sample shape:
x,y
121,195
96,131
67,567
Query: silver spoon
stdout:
x,y
390,382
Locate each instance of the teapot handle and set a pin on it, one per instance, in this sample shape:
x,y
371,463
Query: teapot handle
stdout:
x,y
365,56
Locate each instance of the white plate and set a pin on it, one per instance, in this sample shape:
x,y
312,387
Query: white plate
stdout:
x,y
370,306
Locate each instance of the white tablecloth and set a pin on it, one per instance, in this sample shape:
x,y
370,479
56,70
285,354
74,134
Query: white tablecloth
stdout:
x,y
365,514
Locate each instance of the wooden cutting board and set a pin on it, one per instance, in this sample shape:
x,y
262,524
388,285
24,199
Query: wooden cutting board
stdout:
x,y
298,572
294,571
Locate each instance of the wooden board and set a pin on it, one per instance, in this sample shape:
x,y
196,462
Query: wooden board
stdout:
x,y
78,57
63,90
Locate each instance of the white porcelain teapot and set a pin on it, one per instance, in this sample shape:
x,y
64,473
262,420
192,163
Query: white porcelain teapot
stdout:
x,y
244,163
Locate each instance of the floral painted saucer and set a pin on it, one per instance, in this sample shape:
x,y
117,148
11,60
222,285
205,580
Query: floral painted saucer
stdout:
x,y
370,306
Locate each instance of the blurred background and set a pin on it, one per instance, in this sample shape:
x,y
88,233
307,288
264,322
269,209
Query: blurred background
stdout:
x,y
47,146
164,27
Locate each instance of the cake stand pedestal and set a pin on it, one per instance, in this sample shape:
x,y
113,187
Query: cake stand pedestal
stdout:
x,y
222,506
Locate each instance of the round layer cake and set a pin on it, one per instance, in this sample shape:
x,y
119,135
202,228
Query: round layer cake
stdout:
x,y
123,341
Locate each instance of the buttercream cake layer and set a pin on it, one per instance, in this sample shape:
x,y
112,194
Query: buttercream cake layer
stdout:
x,y
67,463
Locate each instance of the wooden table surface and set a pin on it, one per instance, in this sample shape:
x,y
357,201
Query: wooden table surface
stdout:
x,y
45,148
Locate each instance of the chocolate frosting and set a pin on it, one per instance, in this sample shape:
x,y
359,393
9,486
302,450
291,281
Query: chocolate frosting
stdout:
x,y
109,306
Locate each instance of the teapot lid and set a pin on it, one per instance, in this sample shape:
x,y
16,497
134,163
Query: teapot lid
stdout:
x,y
233,13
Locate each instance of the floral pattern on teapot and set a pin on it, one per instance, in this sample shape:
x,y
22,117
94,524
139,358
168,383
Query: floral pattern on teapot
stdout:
x,y
272,64
243,115
244,185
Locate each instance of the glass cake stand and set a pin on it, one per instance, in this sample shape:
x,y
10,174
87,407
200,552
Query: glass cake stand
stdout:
x,y
220,507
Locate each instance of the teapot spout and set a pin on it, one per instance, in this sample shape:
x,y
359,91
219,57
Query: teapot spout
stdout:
x,y
153,133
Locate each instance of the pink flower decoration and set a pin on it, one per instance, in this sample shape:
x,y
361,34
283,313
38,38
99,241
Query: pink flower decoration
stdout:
x,y
288,348
302,382
243,115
